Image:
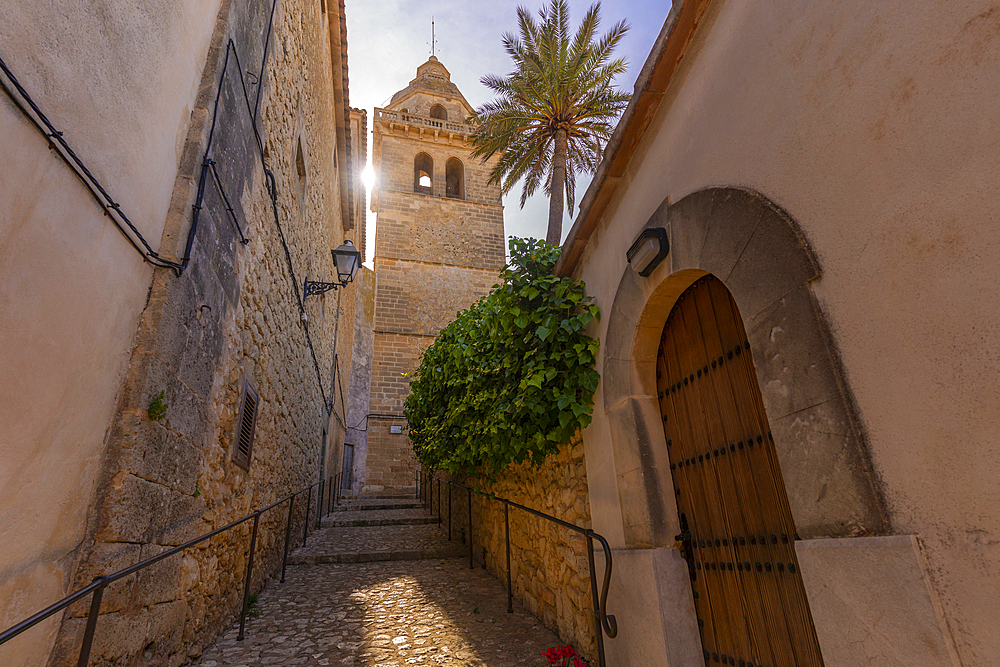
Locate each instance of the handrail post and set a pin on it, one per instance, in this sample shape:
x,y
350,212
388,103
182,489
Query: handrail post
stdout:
x,y
449,511
506,530
599,631
305,525
319,504
246,584
470,529
95,611
439,503
288,537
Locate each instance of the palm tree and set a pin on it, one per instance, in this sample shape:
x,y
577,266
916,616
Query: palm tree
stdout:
x,y
555,112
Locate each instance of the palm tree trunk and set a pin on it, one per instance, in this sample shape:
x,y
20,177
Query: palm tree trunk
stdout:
x,y
554,232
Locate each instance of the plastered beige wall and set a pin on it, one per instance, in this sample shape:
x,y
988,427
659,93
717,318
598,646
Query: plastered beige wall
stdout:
x,y
875,127
71,288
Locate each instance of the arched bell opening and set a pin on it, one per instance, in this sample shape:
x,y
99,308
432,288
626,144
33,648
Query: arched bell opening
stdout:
x,y
454,178
438,111
423,174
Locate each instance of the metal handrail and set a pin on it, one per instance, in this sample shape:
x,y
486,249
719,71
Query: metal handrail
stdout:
x,y
604,623
97,586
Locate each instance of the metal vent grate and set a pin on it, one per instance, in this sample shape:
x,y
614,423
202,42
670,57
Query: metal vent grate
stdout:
x,y
246,424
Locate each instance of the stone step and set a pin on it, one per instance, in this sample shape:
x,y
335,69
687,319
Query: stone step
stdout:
x,y
363,506
387,517
378,556
363,544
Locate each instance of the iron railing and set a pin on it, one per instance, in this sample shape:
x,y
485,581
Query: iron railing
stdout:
x,y
603,622
97,586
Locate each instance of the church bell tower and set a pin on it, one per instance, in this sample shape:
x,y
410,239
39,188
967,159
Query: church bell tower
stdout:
x,y
439,247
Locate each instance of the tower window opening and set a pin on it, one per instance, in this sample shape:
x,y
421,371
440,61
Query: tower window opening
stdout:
x,y
454,178
423,174
437,111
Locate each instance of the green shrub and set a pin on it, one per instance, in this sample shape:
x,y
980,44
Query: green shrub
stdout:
x,y
510,379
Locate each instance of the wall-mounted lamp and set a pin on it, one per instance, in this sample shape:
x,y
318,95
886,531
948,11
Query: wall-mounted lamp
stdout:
x,y
648,250
347,261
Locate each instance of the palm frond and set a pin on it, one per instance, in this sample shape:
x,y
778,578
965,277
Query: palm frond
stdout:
x,y
558,83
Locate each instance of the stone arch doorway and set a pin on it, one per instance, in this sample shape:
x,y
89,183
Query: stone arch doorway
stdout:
x,y
738,533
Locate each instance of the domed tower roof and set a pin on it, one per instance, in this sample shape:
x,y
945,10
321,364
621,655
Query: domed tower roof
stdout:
x,y
434,79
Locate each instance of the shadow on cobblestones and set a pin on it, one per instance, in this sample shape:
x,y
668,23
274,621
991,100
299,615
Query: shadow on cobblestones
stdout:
x,y
397,613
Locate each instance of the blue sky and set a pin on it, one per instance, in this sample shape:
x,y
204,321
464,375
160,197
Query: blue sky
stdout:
x,y
388,39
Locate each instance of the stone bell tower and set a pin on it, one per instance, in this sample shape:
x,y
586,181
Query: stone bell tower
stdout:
x,y
439,247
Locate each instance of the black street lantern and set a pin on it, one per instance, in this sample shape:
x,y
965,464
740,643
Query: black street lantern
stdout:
x,y
347,261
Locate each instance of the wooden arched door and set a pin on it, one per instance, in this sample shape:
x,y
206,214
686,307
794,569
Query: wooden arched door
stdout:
x,y
738,534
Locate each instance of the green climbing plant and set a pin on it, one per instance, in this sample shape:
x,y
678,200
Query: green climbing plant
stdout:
x,y
157,407
510,379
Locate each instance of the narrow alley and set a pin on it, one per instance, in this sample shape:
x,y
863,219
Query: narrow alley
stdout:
x,y
380,584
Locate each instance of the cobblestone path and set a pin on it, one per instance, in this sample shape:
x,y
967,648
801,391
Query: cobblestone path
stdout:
x,y
379,611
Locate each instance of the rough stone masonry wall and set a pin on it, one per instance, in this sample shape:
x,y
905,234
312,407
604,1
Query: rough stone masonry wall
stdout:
x,y
422,298
359,394
233,313
415,300
549,565
435,228
391,461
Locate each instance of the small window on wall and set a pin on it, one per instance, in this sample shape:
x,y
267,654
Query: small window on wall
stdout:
x,y
454,179
300,171
246,425
437,111
423,174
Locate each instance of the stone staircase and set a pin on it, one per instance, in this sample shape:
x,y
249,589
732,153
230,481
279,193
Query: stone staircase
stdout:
x,y
377,528
391,592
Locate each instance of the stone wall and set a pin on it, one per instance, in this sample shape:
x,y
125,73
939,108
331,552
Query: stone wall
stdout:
x,y
549,565
235,313
421,298
440,230
391,462
361,368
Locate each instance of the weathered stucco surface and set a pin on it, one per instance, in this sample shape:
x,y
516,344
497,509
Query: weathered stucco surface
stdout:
x,y
71,287
873,128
